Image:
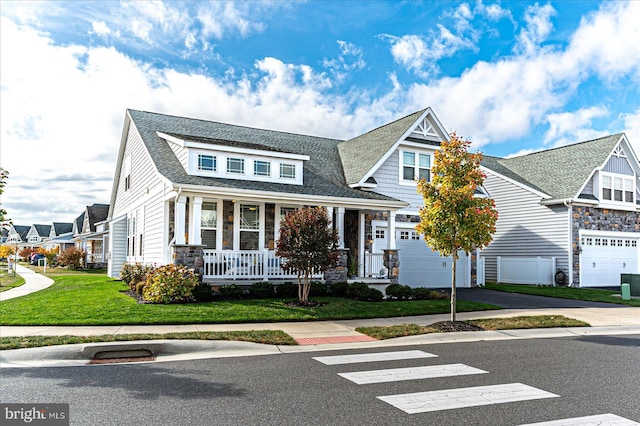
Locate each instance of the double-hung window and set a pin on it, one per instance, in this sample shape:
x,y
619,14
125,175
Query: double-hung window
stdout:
x,y
249,226
415,166
209,224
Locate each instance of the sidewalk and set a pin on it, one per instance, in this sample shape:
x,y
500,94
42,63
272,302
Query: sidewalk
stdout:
x,y
33,282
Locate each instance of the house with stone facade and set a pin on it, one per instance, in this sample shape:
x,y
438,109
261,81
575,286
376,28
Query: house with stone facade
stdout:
x,y
212,195
577,205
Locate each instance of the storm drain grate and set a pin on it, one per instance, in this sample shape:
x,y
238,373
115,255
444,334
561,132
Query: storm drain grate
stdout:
x,y
114,357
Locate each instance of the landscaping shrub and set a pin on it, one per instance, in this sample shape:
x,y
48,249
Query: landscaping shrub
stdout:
x,y
132,274
170,284
231,291
421,293
73,258
318,289
139,287
262,290
287,290
398,291
339,289
361,291
203,292
25,252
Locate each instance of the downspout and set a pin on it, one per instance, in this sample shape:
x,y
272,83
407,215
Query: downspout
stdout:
x,y
569,207
175,200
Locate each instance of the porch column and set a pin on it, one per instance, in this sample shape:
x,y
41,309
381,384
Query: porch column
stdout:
x,y
180,218
340,224
391,241
195,216
361,246
330,215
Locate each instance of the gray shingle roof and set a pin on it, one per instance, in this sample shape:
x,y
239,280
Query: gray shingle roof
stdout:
x,y
361,153
22,230
60,228
323,175
97,213
43,230
558,172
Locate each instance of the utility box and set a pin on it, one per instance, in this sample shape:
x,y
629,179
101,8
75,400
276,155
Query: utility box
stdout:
x,y
625,291
634,283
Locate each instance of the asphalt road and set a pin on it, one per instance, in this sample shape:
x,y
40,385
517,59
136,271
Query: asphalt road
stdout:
x,y
524,301
589,375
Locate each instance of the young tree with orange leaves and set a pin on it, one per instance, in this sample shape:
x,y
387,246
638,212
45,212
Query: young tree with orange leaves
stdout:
x,y
454,218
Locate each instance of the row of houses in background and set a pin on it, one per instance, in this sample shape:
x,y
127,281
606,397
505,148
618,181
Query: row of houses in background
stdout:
x,y
88,232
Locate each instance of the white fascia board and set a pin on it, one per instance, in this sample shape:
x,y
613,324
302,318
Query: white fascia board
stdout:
x,y
283,197
515,182
237,150
635,163
397,143
116,177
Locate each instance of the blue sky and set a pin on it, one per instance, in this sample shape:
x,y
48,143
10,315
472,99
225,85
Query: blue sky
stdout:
x,y
512,77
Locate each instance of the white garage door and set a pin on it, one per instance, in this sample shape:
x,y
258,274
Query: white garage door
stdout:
x,y
422,267
604,257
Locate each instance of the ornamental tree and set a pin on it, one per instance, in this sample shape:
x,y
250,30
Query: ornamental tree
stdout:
x,y
307,245
453,217
3,178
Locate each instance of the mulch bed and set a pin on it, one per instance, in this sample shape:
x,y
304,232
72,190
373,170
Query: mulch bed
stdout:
x,y
449,326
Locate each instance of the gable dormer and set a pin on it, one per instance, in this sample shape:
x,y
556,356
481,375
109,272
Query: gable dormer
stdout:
x,y
231,160
616,183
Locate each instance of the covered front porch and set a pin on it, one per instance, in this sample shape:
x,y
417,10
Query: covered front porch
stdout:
x,y
235,240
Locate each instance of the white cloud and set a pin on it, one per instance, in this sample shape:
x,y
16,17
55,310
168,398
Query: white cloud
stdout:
x,y
350,59
100,28
568,127
537,29
632,129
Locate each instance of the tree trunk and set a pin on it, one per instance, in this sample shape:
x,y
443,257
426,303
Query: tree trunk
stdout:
x,y
453,286
300,289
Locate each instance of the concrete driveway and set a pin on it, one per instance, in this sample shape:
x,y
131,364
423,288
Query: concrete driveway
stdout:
x,y
525,301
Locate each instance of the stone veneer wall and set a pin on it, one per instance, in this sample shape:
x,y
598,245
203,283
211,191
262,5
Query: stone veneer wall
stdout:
x,y
189,256
596,219
340,272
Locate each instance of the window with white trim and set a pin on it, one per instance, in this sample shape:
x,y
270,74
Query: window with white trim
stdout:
x,y
616,188
261,168
415,166
235,165
380,234
209,224
249,227
207,163
287,171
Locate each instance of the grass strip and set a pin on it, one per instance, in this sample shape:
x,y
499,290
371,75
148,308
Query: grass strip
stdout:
x,y
586,294
268,337
522,322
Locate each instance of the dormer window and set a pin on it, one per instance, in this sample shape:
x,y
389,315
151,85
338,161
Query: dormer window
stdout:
x,y
207,163
287,171
415,166
261,168
235,165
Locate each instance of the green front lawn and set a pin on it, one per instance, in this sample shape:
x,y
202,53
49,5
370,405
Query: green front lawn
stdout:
x,y
587,294
7,279
91,299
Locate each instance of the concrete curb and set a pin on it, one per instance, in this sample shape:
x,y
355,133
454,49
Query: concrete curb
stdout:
x,y
180,350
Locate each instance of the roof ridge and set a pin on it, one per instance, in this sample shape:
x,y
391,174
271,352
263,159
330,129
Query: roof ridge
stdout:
x,y
555,148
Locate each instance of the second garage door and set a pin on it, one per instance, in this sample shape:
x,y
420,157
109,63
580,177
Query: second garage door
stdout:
x,y
605,256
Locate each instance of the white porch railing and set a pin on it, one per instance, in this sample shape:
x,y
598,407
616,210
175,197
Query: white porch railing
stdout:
x,y
374,266
526,270
244,265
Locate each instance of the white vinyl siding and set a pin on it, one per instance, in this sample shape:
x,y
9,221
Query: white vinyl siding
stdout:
x,y
145,195
524,227
117,246
182,154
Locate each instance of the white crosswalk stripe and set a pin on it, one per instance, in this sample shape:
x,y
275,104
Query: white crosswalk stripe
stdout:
x,y
410,373
599,420
373,357
422,402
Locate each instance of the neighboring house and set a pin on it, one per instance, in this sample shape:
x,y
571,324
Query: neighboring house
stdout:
x,y
37,235
61,236
189,190
18,234
90,234
578,204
